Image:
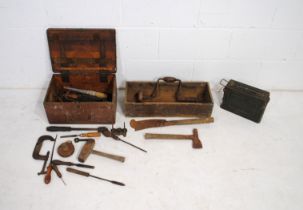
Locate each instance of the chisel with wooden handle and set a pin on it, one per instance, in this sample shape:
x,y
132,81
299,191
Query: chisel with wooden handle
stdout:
x,y
153,123
65,163
91,134
83,173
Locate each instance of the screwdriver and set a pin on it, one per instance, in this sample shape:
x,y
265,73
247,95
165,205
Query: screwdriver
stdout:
x,y
83,173
92,134
48,175
60,162
58,172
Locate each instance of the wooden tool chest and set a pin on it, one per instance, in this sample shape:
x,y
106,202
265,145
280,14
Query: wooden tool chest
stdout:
x,y
168,97
245,100
83,59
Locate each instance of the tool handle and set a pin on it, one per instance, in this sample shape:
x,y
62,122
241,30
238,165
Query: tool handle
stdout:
x,y
58,128
190,121
57,170
92,134
100,95
48,176
165,136
75,171
110,156
60,162
143,124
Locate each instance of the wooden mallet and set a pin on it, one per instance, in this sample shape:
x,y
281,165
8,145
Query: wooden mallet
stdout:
x,y
88,148
197,144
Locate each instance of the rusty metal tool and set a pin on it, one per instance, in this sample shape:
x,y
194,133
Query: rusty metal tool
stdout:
x,y
91,134
83,173
87,92
47,177
153,123
36,152
197,144
65,163
88,148
119,131
76,140
107,133
66,149
55,168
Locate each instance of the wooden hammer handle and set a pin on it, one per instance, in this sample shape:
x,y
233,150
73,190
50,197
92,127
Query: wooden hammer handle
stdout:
x,y
110,156
166,136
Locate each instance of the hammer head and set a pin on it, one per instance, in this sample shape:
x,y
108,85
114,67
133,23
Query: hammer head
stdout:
x,y
86,150
196,141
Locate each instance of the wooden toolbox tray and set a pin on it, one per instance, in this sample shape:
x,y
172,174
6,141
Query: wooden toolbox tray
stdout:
x,y
85,59
171,98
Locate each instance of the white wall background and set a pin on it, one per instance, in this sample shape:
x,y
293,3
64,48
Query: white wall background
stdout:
x,y
259,42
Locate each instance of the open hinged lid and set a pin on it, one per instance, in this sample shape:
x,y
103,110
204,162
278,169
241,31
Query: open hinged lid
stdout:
x,y
82,50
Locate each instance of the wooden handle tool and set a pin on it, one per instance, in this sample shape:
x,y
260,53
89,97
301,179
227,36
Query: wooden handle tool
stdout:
x,y
197,144
91,134
83,173
153,123
88,148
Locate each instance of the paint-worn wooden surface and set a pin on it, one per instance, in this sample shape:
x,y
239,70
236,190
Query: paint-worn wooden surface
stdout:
x,y
165,103
88,59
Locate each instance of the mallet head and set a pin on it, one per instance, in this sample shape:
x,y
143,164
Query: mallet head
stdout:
x,y
86,150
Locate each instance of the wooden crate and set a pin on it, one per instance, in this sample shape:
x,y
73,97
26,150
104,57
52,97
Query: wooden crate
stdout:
x,y
165,104
85,59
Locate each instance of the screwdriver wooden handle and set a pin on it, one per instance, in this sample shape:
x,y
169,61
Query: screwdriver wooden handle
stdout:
x,y
93,134
75,171
57,170
48,177
166,136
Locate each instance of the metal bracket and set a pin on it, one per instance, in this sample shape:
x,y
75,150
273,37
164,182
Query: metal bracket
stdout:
x,y
103,77
65,76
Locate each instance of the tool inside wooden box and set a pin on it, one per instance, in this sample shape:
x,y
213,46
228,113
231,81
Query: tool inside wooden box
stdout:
x,y
189,92
82,81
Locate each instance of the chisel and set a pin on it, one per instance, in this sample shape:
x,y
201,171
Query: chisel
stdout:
x,y
92,134
83,173
60,162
